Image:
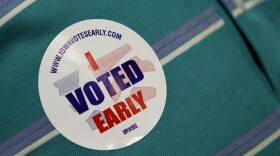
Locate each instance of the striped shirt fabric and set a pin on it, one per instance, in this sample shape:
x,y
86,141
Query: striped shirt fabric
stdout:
x,y
262,21
219,101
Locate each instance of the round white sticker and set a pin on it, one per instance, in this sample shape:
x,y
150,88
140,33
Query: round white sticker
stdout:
x,y
102,85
